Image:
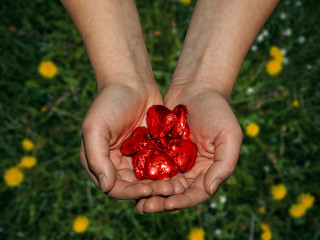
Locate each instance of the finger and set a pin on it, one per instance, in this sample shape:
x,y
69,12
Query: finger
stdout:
x,y
162,188
139,206
193,196
227,149
97,152
84,163
182,179
154,204
125,190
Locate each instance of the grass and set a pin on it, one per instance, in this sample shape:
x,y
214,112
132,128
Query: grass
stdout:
x,y
56,190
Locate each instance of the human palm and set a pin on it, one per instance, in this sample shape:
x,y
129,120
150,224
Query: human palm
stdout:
x,y
218,136
115,112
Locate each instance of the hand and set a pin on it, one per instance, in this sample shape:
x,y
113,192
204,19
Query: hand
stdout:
x,y
116,111
216,132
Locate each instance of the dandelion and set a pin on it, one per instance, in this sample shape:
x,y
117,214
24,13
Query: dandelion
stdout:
x,y
273,67
301,39
231,181
306,199
264,227
27,144
279,191
277,54
80,224
27,162
297,210
175,212
262,210
252,130
196,234
48,69
295,103
267,235
186,2
13,177
44,109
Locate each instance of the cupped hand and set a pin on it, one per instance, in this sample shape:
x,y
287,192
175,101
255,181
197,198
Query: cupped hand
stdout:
x,y
218,136
116,111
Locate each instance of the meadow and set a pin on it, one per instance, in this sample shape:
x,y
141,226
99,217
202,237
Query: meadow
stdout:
x,y
274,191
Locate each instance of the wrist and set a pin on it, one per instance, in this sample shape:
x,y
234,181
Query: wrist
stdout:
x,y
202,79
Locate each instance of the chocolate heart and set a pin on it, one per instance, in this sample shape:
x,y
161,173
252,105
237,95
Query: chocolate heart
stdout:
x,y
179,128
137,141
187,133
160,166
160,121
184,153
139,159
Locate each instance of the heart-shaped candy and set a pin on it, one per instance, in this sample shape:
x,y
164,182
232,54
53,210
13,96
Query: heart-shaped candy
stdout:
x,y
160,166
139,159
184,153
179,128
160,121
137,141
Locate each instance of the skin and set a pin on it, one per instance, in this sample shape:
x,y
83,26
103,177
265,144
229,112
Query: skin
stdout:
x,y
218,38
126,88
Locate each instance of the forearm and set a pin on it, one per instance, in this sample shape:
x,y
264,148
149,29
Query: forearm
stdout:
x,y
113,38
219,36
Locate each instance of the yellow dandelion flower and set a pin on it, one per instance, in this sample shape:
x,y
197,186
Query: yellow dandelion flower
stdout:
x,y
279,191
48,69
306,199
266,235
44,109
273,67
276,54
27,162
264,227
186,2
27,144
262,210
295,103
231,181
196,234
13,177
80,224
297,210
252,129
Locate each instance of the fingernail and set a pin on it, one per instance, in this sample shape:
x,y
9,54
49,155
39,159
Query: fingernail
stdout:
x,y
214,186
103,182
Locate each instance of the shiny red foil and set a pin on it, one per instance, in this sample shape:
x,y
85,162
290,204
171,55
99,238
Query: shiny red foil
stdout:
x,y
164,148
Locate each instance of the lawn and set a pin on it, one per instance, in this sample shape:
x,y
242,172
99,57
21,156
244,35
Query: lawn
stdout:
x,y
274,191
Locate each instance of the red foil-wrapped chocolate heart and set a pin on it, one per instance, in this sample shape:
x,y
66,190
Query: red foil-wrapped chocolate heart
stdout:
x,y
139,159
137,141
160,166
160,120
184,153
179,128
165,148
187,134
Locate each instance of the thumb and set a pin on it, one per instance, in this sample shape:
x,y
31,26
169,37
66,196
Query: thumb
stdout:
x,y
227,149
96,148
